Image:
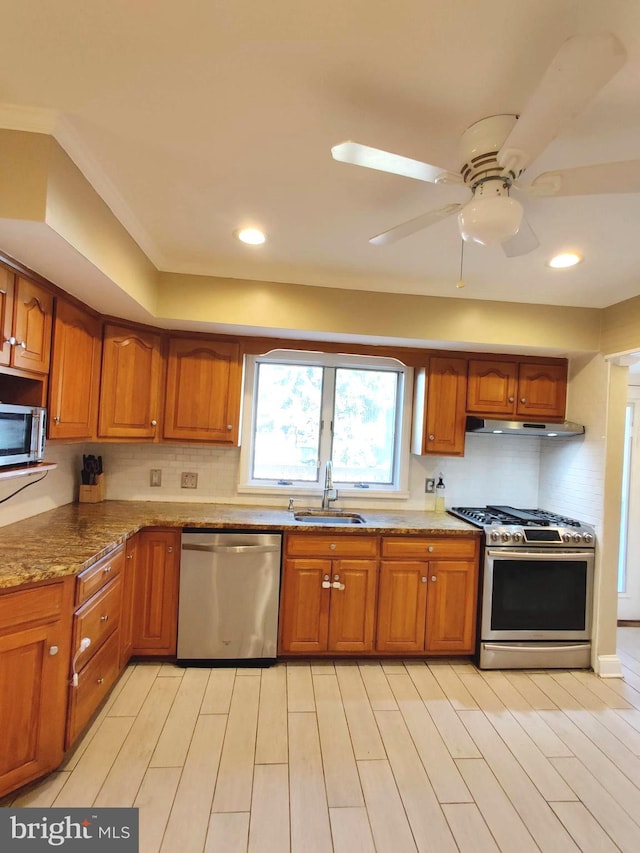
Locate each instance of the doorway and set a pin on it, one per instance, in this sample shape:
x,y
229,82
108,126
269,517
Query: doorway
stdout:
x,y
629,553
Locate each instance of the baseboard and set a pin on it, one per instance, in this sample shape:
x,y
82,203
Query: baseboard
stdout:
x,y
608,666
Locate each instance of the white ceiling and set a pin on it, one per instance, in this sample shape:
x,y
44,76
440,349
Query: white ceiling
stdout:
x,y
194,118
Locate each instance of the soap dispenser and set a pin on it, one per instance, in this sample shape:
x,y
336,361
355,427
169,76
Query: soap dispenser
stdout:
x,y
440,490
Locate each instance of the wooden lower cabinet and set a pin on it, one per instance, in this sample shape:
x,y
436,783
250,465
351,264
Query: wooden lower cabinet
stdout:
x,y
428,605
155,593
126,616
35,640
328,605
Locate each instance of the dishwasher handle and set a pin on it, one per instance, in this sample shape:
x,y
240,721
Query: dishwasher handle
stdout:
x,y
232,549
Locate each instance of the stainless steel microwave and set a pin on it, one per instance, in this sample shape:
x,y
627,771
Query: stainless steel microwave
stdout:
x,y
22,434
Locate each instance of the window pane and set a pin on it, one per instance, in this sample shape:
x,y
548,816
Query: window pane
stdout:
x,y
364,425
287,429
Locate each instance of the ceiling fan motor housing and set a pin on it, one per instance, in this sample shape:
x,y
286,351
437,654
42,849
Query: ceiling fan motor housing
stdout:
x,y
479,148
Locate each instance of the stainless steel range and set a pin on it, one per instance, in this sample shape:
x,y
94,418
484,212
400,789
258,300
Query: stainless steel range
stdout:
x,y
537,588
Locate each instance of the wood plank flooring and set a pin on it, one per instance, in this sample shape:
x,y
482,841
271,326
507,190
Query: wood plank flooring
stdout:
x,y
365,756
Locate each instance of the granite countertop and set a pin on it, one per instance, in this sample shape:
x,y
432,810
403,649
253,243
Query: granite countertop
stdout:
x,y
66,540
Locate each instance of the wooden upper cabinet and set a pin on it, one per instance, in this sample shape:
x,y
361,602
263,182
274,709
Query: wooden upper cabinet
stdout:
x,y
130,383
491,387
542,390
203,390
7,284
439,407
517,389
26,311
75,372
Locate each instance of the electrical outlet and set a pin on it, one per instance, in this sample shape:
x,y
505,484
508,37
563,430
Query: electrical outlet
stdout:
x,y
189,480
155,477
430,485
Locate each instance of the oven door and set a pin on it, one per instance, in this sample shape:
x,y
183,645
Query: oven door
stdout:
x,y
537,594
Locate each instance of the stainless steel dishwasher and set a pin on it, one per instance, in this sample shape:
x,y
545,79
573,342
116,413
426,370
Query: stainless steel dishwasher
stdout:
x,y
229,596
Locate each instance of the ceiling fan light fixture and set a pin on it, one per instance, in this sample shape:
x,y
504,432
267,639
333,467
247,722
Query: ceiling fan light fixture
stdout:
x,y
490,220
251,236
564,260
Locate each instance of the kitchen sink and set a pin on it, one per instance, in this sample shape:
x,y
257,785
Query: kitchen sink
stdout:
x,y
328,516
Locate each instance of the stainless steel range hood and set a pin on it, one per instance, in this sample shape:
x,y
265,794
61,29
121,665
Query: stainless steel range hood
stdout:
x,y
563,430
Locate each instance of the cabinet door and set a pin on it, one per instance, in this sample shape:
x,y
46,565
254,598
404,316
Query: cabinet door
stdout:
x,y
32,318
451,606
203,391
439,407
352,609
75,373
126,616
7,280
402,603
34,668
304,610
491,387
542,390
130,383
155,593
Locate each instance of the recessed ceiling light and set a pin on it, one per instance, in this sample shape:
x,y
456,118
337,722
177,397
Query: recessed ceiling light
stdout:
x,y
564,260
252,236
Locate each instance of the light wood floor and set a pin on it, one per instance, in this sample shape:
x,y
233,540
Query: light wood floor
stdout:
x,y
365,756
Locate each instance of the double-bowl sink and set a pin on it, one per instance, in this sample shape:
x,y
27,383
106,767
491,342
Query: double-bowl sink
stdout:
x,y
328,516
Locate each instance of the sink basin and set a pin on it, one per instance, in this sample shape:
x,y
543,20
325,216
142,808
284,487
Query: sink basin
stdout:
x,y
328,516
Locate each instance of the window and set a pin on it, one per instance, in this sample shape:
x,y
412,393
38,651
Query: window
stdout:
x,y
302,409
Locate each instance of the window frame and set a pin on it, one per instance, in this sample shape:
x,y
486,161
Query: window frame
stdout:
x,y
399,488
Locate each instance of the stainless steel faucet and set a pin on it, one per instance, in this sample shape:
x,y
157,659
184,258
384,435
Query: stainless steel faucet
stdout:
x,y
329,494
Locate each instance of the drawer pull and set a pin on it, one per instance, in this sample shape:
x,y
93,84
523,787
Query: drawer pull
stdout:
x,y
106,570
53,650
100,681
104,617
332,546
430,549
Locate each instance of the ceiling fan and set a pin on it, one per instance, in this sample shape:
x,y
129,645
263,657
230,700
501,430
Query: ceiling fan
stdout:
x,y
495,151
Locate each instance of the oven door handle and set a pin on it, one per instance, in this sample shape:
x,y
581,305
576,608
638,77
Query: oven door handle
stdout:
x,y
502,647
547,554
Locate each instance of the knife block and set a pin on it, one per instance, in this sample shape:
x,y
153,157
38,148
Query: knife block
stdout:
x,y
93,494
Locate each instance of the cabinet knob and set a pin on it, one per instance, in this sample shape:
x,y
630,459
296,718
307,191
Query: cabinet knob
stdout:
x,y
106,570
22,344
154,422
129,556
432,437
100,681
229,427
336,577
104,617
511,399
430,549
56,420
170,549
423,580
332,546
53,650
434,578
523,399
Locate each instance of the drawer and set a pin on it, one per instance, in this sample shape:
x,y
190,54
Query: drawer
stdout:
x,y
94,682
429,549
41,604
96,619
311,545
96,576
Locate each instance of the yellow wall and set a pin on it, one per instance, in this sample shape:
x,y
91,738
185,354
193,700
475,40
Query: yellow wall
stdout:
x,y
621,327
309,310
24,169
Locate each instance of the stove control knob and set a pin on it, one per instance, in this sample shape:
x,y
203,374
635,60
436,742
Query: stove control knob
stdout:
x,y
506,536
566,537
577,537
588,537
517,537
494,536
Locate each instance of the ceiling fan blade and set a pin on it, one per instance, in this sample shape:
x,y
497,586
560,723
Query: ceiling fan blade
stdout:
x,y
414,225
384,161
623,177
523,242
582,66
